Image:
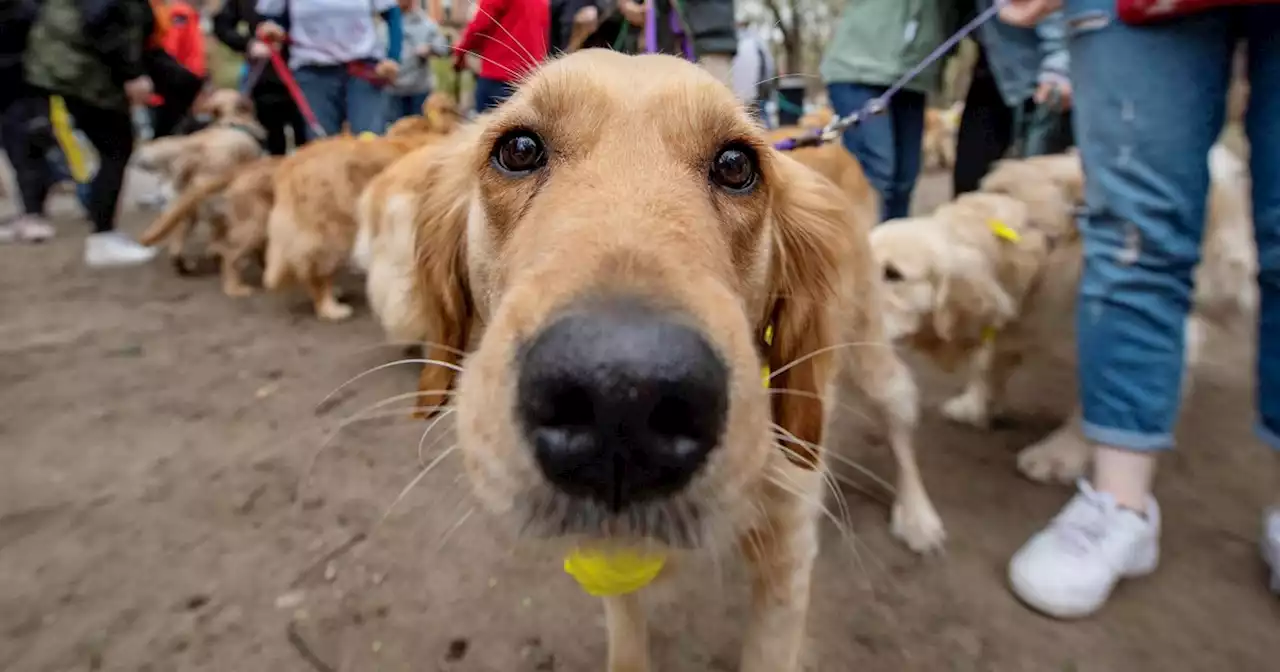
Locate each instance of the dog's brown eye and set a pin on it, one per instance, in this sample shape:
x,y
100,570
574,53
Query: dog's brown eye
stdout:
x,y
892,274
734,169
519,153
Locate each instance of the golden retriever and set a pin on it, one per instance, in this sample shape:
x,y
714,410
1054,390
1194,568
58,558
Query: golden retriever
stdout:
x,y
439,116
312,225
186,161
991,277
622,250
241,201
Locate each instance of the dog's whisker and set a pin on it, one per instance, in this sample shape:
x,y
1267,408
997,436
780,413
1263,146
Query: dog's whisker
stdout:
x,y
412,484
323,405
531,62
490,61
305,478
391,400
448,534
821,351
792,438
430,427
823,398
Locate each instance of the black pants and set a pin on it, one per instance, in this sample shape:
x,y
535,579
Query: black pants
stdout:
x,y
111,132
277,114
28,138
987,130
177,85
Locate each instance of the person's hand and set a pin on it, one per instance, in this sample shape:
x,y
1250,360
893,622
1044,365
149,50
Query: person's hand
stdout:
x,y
387,69
139,89
270,31
632,11
258,50
1049,86
1027,13
587,17
423,52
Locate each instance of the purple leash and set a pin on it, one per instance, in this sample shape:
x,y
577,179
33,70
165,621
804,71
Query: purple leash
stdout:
x,y
651,30
880,103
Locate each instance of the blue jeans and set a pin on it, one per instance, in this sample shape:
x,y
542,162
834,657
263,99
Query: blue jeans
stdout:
x,y
399,107
337,96
1149,103
491,92
887,145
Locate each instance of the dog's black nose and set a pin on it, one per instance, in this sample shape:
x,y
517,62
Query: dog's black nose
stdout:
x,y
621,402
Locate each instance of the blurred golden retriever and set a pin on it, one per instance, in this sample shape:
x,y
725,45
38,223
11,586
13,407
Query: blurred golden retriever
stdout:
x,y
622,251
991,278
189,161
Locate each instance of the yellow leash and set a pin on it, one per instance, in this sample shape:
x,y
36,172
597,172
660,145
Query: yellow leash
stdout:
x,y
66,137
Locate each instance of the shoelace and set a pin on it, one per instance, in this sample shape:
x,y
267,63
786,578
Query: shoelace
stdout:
x,y
1082,526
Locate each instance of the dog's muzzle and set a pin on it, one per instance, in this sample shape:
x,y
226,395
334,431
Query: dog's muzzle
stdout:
x,y
621,403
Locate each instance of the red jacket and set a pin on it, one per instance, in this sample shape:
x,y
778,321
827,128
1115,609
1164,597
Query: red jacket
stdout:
x,y
510,37
182,39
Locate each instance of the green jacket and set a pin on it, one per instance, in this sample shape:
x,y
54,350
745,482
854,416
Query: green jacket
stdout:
x,y
878,41
88,49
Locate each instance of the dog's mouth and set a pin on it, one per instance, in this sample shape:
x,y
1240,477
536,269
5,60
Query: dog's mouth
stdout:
x,y
622,406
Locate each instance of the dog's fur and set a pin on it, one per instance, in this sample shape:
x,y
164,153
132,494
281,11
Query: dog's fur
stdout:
x,y
952,283
312,225
624,208
239,203
439,116
190,161
940,129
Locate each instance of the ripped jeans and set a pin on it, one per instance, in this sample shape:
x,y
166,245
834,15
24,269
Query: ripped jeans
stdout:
x,y
1149,103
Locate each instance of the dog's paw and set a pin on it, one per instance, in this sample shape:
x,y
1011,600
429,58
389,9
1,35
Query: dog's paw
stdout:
x,y
916,523
1060,458
335,311
968,408
238,291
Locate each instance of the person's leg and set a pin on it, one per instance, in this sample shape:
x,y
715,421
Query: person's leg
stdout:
x,y
1262,123
986,129
273,114
871,141
177,85
111,133
323,88
907,110
1144,145
490,93
366,106
297,126
28,140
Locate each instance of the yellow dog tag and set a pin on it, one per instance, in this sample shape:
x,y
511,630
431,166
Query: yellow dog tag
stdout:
x,y
367,135
609,574
1003,231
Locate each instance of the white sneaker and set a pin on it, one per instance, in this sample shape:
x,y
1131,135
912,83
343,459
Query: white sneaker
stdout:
x,y
1068,569
1271,546
32,229
104,250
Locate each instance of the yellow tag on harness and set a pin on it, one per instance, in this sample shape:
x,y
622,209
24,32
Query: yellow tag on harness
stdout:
x,y
367,135
609,574
1003,231
989,334
768,340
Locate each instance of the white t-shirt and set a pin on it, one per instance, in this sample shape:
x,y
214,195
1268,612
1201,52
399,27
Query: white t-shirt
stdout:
x,y
329,32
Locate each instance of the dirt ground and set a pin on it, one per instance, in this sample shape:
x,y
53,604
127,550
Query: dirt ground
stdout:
x,y
153,436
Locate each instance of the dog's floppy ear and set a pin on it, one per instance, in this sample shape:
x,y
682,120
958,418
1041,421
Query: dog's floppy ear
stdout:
x,y
969,300
444,294
813,224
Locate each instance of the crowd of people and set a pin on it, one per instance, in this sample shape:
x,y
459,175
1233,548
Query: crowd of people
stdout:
x,y
1147,102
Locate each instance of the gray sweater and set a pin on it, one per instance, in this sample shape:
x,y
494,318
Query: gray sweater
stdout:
x,y
415,72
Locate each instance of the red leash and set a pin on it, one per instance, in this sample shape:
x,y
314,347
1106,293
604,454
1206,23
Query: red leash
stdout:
x,y
290,84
